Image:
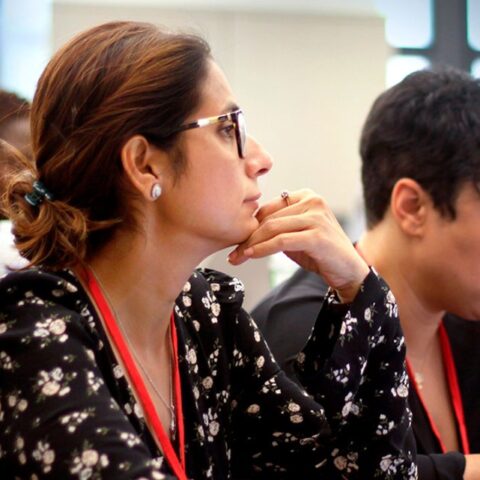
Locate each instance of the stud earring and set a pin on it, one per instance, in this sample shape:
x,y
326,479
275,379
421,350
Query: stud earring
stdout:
x,y
156,191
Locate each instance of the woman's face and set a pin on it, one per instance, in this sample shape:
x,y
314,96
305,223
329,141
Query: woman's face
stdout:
x,y
217,196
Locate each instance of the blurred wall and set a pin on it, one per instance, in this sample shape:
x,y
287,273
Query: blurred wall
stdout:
x,y
305,82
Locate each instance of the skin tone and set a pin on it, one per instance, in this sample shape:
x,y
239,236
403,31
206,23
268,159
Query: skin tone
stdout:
x,y
17,133
212,206
307,231
408,247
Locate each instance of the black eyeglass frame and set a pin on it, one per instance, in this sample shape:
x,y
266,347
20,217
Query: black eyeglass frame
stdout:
x,y
237,117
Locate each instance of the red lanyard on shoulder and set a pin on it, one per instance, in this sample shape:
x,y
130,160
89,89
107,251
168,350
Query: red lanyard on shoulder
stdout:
x,y
454,388
177,465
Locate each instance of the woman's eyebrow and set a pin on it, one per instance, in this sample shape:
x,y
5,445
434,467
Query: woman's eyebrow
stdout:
x,y
230,107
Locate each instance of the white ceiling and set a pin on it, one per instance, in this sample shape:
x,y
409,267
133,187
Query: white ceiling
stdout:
x,y
355,7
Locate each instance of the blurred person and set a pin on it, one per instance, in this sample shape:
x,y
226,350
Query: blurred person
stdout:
x,y
14,129
420,151
14,122
117,361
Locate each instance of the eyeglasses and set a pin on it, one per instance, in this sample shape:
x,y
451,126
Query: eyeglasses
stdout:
x,y
237,118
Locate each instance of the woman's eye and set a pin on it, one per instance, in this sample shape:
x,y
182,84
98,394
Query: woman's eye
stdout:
x,y
227,130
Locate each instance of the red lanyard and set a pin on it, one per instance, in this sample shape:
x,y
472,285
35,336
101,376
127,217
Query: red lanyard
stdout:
x,y
177,465
452,384
454,392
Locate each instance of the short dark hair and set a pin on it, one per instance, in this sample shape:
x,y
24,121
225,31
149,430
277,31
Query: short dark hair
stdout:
x,y
427,128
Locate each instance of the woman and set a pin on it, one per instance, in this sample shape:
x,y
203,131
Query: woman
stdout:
x,y
117,362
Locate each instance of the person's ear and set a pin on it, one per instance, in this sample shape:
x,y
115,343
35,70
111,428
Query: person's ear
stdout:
x,y
410,205
141,164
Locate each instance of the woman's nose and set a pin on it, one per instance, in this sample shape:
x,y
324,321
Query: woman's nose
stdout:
x,y
259,161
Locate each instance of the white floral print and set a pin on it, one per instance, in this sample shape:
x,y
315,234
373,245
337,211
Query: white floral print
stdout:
x,y
244,418
45,455
73,420
88,463
54,382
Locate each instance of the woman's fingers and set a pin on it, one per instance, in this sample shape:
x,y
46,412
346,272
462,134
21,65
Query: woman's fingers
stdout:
x,y
311,233
282,242
276,227
302,210
303,226
287,205
272,227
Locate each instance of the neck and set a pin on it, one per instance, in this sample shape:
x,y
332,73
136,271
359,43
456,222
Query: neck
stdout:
x,y
142,284
394,257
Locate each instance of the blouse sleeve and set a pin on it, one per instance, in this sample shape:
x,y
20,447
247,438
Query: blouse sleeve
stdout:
x,y
353,419
57,416
441,466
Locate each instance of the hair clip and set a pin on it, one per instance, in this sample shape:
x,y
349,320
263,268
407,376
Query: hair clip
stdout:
x,y
38,194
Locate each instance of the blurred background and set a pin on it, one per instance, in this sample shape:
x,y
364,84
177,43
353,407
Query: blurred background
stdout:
x,y
305,71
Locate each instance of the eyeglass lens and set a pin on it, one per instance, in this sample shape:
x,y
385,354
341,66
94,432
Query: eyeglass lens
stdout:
x,y
242,134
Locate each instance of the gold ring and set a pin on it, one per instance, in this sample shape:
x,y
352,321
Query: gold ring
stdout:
x,y
286,196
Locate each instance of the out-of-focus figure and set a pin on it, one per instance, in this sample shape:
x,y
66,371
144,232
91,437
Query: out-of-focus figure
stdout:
x,y
14,129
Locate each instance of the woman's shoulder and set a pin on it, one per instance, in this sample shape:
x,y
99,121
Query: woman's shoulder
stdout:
x,y
209,293
37,287
223,287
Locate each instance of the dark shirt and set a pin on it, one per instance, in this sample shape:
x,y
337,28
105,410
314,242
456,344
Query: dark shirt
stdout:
x,y
286,317
67,409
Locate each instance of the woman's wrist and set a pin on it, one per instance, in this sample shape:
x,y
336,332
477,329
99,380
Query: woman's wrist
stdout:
x,y
347,293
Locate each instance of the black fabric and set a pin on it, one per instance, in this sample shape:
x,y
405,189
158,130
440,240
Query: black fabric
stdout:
x,y
441,466
464,336
67,409
286,316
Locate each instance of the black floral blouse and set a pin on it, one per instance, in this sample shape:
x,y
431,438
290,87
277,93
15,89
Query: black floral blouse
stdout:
x,y
67,410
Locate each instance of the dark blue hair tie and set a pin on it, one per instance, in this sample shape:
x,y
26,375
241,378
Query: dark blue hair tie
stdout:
x,y
38,195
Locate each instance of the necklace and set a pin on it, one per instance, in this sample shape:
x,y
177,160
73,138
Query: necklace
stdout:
x,y
418,372
169,406
419,379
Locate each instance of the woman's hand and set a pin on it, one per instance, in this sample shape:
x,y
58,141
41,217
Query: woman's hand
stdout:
x,y
305,229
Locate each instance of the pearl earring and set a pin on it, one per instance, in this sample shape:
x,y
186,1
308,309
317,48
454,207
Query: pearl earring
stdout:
x,y
156,191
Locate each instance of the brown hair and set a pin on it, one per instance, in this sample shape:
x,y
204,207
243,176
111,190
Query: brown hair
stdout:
x,y
12,108
14,113
106,85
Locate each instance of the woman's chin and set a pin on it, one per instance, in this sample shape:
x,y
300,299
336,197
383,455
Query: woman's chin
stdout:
x,y
249,229
241,235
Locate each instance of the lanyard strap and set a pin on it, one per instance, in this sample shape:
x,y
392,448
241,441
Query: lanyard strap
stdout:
x,y
177,465
452,384
454,388
177,385
455,393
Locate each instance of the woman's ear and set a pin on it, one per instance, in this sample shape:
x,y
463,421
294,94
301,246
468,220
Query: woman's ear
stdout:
x,y
142,166
410,205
